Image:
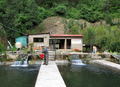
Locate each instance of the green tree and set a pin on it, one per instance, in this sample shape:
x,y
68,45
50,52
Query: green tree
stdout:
x,y
104,42
19,17
90,34
70,23
108,18
81,26
74,30
105,4
60,10
85,25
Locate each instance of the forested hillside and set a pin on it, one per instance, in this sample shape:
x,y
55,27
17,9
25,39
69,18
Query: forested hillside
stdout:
x,y
20,17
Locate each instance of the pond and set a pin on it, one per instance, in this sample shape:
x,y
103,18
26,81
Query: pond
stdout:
x,y
89,75
18,76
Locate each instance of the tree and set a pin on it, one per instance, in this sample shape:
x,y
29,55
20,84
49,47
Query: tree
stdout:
x,y
108,18
74,30
20,15
105,4
90,34
60,10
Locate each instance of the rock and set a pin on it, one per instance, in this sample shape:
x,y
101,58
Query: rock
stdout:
x,y
12,56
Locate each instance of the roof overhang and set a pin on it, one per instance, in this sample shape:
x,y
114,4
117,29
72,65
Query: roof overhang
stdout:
x,y
65,35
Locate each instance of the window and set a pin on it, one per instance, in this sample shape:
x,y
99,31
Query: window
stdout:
x,y
38,39
51,41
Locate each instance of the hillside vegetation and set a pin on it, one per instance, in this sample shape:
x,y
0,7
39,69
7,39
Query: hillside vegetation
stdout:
x,y
96,20
105,36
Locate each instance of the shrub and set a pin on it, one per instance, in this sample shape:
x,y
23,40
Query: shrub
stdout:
x,y
70,23
60,10
31,45
1,47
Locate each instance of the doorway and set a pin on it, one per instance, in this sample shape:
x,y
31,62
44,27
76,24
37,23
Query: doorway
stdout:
x,y
61,44
68,44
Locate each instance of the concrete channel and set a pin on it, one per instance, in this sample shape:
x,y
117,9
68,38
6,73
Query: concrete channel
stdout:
x,y
107,64
49,76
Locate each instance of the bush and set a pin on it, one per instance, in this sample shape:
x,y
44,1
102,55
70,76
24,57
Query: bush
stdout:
x,y
73,13
31,47
108,18
1,47
115,45
70,23
60,10
74,30
13,49
42,12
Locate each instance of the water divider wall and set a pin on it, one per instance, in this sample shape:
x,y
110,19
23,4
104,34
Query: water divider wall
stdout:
x,y
108,64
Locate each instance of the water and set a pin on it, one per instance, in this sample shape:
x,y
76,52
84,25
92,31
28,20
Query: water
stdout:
x,y
22,60
74,59
90,75
77,62
20,63
17,76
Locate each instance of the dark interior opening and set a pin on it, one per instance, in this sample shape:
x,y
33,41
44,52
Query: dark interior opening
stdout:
x,y
68,45
61,44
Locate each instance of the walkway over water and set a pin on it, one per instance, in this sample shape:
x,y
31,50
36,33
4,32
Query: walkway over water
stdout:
x,y
108,64
49,76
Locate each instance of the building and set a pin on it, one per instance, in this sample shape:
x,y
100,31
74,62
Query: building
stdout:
x,y
22,40
56,41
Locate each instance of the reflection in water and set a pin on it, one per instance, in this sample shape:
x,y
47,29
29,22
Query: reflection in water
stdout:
x,y
90,75
76,68
18,76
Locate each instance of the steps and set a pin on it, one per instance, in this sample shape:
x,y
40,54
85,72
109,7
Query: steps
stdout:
x,y
95,56
51,56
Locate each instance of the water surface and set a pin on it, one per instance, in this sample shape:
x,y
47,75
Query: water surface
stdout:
x,y
17,76
89,75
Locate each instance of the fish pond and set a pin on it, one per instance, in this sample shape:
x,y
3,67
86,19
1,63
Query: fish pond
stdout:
x,y
18,76
89,75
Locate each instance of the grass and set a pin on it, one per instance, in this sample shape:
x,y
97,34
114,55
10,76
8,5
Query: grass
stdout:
x,y
3,59
25,50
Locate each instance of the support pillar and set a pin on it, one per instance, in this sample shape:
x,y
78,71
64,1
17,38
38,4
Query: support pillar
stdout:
x,y
65,45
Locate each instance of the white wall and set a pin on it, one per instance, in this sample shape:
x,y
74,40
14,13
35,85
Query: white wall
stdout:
x,y
45,36
76,44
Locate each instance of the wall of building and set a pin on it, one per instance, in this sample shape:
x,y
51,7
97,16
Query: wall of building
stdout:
x,y
37,45
76,42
